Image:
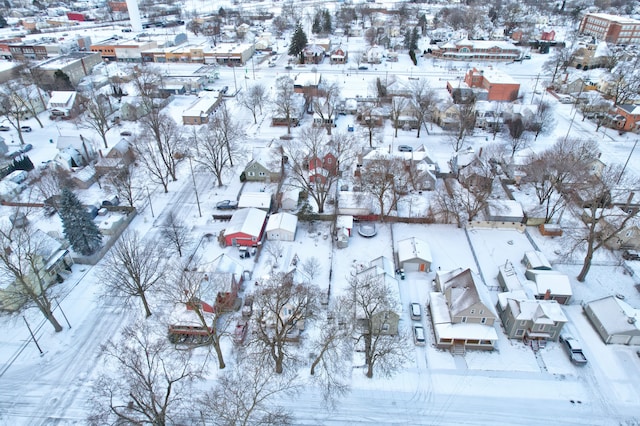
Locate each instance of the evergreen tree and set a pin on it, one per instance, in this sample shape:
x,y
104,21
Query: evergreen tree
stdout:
x,y
3,22
298,42
415,36
316,28
79,228
326,22
406,40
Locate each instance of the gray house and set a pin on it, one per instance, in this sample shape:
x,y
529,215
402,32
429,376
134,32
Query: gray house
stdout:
x,y
266,166
527,319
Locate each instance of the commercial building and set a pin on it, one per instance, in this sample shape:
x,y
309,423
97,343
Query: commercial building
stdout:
x,y
611,28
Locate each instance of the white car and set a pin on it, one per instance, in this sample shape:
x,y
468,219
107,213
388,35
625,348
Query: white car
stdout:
x,y
418,335
416,312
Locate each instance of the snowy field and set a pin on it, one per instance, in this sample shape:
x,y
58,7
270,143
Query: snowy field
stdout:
x,y
511,385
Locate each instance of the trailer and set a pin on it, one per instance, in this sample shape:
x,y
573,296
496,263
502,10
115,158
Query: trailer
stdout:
x,y
189,334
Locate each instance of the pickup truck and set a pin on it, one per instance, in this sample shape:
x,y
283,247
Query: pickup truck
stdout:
x,y
573,350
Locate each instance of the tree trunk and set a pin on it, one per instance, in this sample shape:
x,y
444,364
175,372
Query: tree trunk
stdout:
x,y
279,367
54,322
216,346
146,305
370,370
104,139
586,265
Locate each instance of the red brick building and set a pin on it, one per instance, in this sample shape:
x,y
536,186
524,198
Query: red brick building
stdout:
x,y
499,86
611,28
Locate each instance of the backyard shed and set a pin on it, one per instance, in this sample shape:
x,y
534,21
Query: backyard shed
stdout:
x,y
536,260
504,211
282,227
258,200
414,254
615,320
245,227
345,222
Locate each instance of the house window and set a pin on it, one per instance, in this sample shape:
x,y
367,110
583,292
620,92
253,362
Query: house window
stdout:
x,y
523,322
483,321
473,311
251,173
262,174
519,332
481,311
464,319
385,327
540,327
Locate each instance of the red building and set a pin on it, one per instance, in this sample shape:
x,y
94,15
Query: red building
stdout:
x,y
611,28
245,228
499,86
321,168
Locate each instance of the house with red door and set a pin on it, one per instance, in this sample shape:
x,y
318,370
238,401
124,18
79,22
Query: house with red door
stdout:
x,y
322,167
246,227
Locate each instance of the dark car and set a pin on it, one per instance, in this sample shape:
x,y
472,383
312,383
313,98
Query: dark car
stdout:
x,y
4,128
630,255
26,129
227,205
363,68
125,133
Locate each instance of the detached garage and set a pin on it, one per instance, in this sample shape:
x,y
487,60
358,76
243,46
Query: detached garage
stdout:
x,y
615,320
245,227
414,255
282,227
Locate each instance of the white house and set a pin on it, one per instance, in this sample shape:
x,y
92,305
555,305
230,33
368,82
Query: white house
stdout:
x,y
616,321
282,226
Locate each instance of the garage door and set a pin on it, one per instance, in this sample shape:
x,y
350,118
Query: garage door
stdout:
x,y
619,339
410,266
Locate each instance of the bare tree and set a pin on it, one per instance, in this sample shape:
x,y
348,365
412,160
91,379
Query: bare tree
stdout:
x,y
149,382
332,349
248,395
603,222
12,106
311,266
544,121
124,184
26,282
51,181
552,171
384,177
423,101
151,159
325,104
284,102
190,288
228,130
216,148
282,308
254,99
314,144
370,299
625,82
558,62
398,105
133,267
97,109
518,139
275,250
370,122
464,124
175,232
163,144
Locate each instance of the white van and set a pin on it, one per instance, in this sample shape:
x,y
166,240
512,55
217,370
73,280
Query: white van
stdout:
x,y
416,312
418,335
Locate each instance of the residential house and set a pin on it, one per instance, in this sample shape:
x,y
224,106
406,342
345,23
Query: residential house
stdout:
x,y
629,117
508,278
414,254
550,285
592,55
321,168
374,54
461,318
628,237
63,104
295,114
245,228
489,115
30,100
527,319
266,166
52,264
282,227
339,56
384,322
313,54
447,115
83,150
536,260
615,320
116,159
499,86
200,111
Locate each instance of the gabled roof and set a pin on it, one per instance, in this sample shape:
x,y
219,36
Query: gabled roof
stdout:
x,y
247,221
414,248
616,316
285,221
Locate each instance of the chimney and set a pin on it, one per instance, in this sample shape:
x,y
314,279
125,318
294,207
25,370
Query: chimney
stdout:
x,y
547,295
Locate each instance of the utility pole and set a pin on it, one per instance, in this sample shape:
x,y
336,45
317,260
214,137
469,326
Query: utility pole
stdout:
x,y
32,336
535,86
627,162
195,187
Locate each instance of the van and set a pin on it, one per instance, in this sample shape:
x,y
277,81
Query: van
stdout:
x,y
418,335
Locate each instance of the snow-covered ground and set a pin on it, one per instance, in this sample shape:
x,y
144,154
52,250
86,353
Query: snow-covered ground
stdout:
x,y
511,385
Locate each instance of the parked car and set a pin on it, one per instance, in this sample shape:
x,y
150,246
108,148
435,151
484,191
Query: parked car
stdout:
x,y
272,64
363,68
574,350
416,312
405,148
28,147
564,99
630,255
288,67
4,128
25,129
227,205
418,335
125,133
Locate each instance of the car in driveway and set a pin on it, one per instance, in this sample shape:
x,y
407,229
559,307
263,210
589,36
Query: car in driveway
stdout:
x,y
227,205
419,336
416,312
26,129
574,350
4,128
28,147
630,255
405,148
125,133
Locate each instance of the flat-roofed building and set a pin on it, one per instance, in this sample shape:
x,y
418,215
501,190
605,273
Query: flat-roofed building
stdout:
x,y
611,28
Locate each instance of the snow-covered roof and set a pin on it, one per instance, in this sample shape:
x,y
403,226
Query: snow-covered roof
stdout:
x,y
616,316
285,221
505,208
444,329
344,221
413,248
553,281
536,260
538,311
260,200
247,221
